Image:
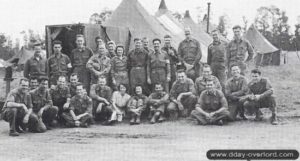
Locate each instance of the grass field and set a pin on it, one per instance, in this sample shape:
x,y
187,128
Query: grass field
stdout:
x,y
169,141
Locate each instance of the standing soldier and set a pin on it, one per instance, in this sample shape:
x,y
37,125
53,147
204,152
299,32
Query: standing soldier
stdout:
x,y
200,83
73,84
237,50
181,96
80,110
172,53
18,105
145,42
99,65
216,58
79,58
137,60
59,64
235,89
42,108
158,101
260,96
60,95
119,70
158,66
99,42
33,83
111,49
36,66
189,50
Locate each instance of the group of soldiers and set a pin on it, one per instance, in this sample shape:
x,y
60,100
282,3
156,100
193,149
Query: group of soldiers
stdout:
x,y
108,84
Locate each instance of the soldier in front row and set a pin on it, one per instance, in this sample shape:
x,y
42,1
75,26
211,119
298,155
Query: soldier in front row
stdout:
x,y
212,107
79,112
33,84
260,96
18,105
43,111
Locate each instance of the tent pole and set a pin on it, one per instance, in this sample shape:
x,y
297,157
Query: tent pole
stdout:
x,y
208,12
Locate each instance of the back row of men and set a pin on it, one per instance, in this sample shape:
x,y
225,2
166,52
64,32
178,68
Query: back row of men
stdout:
x,y
141,68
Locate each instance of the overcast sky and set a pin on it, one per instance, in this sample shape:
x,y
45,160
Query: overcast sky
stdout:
x,y
18,15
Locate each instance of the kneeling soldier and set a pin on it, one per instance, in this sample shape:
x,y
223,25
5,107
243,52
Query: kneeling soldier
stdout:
x,y
43,111
212,106
260,96
79,111
158,102
136,105
101,95
17,105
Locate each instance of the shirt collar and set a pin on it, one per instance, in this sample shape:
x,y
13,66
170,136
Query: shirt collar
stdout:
x,y
217,42
214,92
81,49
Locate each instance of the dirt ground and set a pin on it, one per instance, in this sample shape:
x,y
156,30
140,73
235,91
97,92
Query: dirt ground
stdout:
x,y
169,141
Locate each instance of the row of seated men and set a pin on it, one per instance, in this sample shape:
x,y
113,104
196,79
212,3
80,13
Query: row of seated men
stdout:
x,y
36,110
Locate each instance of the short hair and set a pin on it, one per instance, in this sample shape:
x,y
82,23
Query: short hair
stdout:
x,y
79,84
55,42
136,39
234,65
167,36
97,38
23,79
61,76
180,71
256,71
111,42
122,84
34,78
43,78
158,84
79,35
156,39
214,31
206,66
120,46
236,27
138,85
74,74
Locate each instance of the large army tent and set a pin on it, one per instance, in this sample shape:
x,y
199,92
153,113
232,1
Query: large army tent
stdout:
x,y
22,56
267,54
131,14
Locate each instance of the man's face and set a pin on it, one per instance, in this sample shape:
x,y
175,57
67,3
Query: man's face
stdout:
x,y
145,43
79,42
44,84
167,41
215,36
111,47
61,82
79,90
120,51
34,83
181,76
235,70
102,49
24,85
102,82
158,88
122,89
99,42
57,48
38,48
187,32
209,86
138,90
156,45
237,33
206,72
138,44
73,79
255,77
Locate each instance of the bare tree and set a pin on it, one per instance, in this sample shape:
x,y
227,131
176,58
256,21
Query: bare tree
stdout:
x,y
99,18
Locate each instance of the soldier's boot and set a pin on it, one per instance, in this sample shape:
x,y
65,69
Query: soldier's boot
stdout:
x,y
259,115
150,115
161,118
154,118
242,115
173,115
138,120
132,120
274,120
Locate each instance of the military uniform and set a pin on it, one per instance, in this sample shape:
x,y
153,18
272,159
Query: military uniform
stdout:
x,y
58,66
15,115
59,97
189,50
41,99
173,57
158,67
235,89
35,67
267,100
79,105
72,88
158,102
137,60
200,84
188,102
236,54
104,92
136,105
119,71
216,58
79,58
211,102
98,66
